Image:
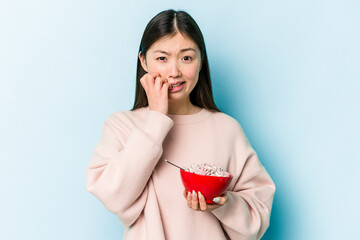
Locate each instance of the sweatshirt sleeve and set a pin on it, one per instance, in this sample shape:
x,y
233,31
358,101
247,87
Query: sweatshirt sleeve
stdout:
x,y
246,215
121,165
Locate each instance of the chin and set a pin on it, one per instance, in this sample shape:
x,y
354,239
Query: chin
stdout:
x,y
176,98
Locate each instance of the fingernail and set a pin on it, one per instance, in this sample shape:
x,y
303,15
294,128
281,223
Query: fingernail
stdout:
x,y
199,194
217,200
188,195
194,194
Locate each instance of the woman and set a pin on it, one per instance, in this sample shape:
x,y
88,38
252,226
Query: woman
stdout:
x,y
174,117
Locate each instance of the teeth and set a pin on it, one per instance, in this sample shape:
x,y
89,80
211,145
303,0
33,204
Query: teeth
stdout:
x,y
176,85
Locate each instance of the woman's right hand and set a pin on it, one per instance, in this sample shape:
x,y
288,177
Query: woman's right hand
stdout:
x,y
156,88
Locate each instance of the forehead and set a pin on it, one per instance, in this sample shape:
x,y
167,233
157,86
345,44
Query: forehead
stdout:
x,y
175,42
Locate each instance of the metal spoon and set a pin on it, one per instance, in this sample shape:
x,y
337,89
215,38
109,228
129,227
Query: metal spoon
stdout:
x,y
174,165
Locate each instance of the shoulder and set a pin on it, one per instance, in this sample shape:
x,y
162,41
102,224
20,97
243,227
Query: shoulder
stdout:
x,y
229,128
226,121
126,118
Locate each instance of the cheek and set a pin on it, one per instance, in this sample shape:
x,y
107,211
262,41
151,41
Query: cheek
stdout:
x,y
159,68
192,73
154,66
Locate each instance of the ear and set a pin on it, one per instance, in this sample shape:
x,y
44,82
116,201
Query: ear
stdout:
x,y
143,62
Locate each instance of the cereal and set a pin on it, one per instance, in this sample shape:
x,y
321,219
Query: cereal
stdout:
x,y
207,169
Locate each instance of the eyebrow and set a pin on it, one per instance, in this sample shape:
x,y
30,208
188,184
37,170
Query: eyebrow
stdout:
x,y
182,50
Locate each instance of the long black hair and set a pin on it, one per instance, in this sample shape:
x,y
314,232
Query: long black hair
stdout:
x,y
167,24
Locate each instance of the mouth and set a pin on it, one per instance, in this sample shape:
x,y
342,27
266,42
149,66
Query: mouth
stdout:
x,y
176,87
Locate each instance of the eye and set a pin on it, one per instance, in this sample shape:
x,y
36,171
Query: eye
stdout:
x,y
161,58
187,58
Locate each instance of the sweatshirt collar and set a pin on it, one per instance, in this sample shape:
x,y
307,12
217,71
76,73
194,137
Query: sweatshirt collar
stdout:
x,y
189,118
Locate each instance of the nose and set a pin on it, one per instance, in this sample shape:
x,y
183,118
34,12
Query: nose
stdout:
x,y
173,70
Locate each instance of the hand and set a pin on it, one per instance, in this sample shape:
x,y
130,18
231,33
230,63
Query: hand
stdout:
x,y
197,202
156,88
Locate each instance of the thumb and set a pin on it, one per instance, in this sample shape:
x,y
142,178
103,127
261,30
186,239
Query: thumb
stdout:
x,y
220,200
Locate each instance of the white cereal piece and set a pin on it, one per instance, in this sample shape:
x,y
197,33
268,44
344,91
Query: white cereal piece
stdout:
x,y
207,169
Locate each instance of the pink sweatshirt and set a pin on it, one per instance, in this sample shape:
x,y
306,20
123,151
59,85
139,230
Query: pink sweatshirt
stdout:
x,y
128,174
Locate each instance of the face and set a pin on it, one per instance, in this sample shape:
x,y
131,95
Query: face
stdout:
x,y
178,59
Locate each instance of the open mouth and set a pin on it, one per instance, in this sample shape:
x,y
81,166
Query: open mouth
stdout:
x,y
176,87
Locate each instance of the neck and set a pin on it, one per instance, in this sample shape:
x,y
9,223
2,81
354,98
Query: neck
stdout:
x,y
182,108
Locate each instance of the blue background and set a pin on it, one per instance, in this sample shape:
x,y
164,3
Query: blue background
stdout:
x,y
288,71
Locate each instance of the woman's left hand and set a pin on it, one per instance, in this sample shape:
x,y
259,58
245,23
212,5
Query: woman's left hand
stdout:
x,y
197,202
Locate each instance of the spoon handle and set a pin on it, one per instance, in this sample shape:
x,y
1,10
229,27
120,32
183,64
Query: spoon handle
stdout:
x,y
174,164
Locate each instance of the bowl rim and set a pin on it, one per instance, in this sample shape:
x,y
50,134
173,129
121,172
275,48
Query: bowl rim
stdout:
x,y
207,175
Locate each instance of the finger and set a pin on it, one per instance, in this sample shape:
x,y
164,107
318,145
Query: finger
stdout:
x,y
194,201
149,79
144,83
158,83
185,193
219,200
165,88
202,202
153,75
188,197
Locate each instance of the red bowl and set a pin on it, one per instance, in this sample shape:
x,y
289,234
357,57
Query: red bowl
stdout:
x,y
209,186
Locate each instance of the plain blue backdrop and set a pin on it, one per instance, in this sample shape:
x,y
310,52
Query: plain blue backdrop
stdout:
x,y
288,71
